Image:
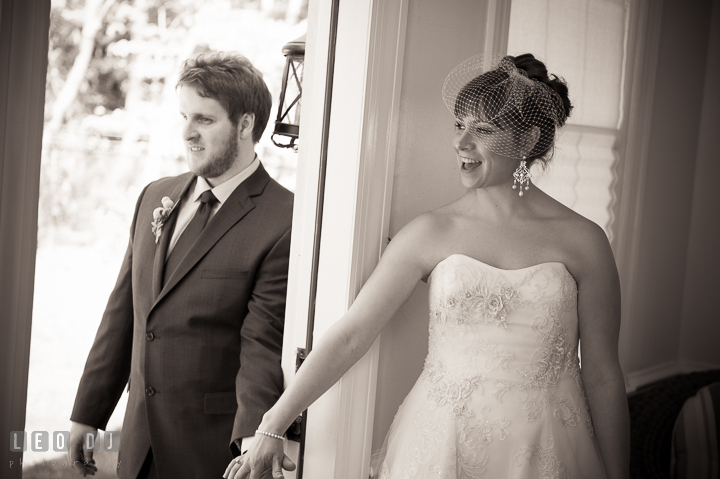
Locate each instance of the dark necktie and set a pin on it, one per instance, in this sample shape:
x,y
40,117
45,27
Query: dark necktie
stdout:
x,y
191,233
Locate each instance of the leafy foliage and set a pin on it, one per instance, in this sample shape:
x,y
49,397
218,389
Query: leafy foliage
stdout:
x,y
111,115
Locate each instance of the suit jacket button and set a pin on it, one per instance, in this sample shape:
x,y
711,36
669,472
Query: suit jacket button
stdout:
x,y
149,336
149,391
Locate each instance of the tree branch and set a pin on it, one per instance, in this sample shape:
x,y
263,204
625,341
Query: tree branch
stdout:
x,y
94,15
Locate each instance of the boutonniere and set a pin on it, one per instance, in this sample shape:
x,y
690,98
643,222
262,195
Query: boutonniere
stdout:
x,y
160,216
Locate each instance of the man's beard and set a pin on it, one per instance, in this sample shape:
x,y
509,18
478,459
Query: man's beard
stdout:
x,y
220,162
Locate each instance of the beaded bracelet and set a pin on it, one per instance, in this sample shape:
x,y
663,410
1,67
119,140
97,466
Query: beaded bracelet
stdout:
x,y
270,434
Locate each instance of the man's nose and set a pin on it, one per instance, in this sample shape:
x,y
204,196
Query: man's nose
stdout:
x,y
188,130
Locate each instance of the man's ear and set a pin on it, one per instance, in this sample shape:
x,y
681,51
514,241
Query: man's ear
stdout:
x,y
246,123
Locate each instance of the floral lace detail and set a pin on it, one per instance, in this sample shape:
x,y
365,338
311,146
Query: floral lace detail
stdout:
x,y
468,459
547,461
454,392
446,468
472,454
430,435
564,298
555,357
540,380
483,300
501,387
573,368
502,353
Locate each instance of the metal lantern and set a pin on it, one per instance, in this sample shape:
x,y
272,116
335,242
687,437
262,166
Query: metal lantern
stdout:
x,y
287,122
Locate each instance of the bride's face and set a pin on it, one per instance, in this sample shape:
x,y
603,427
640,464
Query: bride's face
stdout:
x,y
480,167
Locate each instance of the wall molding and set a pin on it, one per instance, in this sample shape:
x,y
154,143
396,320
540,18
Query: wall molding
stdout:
x,y
497,26
643,377
686,366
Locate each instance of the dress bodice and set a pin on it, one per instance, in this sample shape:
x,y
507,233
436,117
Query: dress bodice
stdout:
x,y
501,392
516,328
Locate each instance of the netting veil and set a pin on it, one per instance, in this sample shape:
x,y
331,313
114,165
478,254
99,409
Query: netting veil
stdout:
x,y
511,114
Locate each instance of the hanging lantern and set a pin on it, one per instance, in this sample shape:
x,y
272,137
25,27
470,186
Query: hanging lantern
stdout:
x,y
287,122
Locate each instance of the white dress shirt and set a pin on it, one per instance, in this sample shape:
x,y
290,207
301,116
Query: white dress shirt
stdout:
x,y
191,200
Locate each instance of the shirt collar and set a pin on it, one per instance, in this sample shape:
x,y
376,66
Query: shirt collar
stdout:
x,y
223,191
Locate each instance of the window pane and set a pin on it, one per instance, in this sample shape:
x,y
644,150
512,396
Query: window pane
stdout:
x,y
583,42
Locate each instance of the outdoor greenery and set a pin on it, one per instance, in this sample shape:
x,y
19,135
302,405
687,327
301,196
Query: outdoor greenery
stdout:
x,y
111,116
112,126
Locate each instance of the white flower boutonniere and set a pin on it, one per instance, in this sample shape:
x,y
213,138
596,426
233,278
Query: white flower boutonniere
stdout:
x,y
160,216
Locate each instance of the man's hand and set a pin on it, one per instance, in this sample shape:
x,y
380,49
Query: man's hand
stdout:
x,y
80,458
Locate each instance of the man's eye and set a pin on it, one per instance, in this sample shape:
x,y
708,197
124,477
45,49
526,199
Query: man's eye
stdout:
x,y
206,121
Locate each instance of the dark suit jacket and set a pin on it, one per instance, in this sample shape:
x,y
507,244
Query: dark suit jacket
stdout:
x,y
202,354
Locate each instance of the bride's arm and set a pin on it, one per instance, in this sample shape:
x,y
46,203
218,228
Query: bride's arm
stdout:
x,y
407,259
599,319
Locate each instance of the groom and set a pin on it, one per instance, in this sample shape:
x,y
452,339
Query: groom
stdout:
x,y
194,324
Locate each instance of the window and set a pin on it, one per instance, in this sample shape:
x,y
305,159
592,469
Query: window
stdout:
x,y
582,41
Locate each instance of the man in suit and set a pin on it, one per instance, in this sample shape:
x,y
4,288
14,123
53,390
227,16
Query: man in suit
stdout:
x,y
194,324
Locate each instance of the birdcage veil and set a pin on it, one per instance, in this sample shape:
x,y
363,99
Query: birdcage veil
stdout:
x,y
492,97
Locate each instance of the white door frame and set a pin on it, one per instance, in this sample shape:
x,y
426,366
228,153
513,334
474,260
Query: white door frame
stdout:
x,y
365,111
361,148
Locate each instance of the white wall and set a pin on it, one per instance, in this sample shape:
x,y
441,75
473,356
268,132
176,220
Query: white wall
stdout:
x,y
426,174
674,323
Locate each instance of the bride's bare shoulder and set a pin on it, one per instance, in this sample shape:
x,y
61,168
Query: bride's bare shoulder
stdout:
x,y
422,240
585,244
431,225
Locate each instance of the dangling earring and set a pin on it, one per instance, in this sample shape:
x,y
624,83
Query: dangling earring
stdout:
x,y
522,176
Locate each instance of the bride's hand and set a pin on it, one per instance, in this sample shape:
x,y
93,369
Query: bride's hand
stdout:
x,y
266,459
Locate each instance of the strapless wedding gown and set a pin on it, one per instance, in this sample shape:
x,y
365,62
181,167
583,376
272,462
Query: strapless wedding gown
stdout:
x,y
501,393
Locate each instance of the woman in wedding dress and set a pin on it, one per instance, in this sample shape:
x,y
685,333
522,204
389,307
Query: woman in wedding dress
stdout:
x,y
516,280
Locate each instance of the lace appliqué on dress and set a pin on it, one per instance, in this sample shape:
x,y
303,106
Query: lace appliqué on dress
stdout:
x,y
473,439
471,434
555,356
482,299
502,366
545,458
473,430
454,392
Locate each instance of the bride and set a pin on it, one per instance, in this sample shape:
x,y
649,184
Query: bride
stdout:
x,y
516,280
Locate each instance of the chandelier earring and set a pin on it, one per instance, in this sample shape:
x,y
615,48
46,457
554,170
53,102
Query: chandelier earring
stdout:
x,y
522,176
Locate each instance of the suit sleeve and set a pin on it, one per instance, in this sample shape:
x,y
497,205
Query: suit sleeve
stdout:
x,y
259,381
108,365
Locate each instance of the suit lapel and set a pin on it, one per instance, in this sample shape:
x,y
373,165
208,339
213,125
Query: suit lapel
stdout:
x,y
233,210
164,243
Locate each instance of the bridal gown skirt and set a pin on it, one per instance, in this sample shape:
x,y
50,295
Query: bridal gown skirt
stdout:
x,y
501,393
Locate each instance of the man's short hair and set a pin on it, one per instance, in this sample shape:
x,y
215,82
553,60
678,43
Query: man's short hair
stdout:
x,y
234,82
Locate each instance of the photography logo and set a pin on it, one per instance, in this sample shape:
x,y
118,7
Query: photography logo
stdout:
x,y
39,441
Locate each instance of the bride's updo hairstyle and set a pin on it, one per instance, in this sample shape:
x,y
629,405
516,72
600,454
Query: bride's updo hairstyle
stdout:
x,y
514,94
